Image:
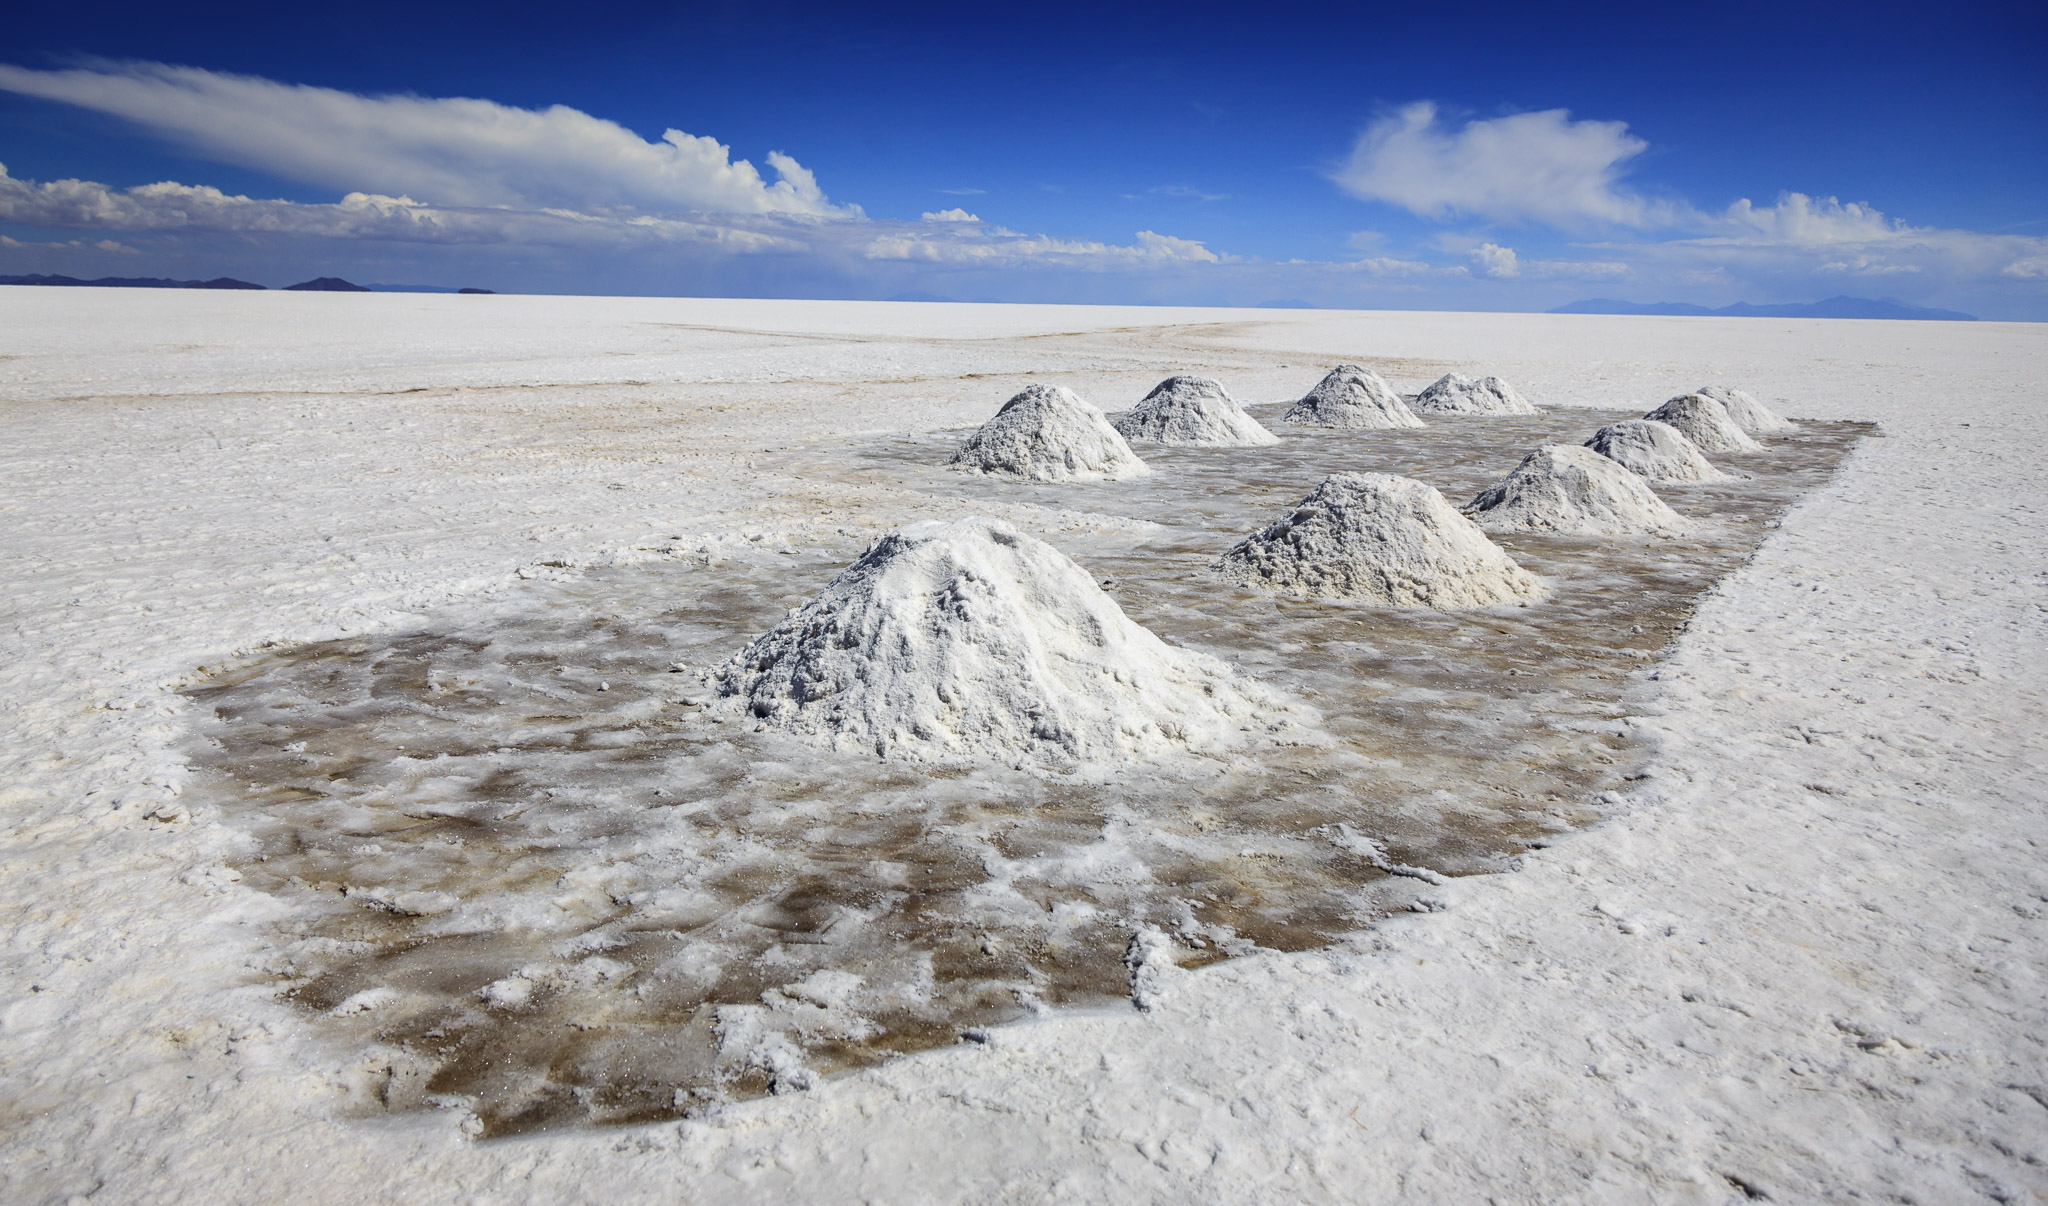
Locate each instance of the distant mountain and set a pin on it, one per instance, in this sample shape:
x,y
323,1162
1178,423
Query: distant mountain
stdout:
x,y
1834,307
471,289
1285,303
326,284
919,295
128,282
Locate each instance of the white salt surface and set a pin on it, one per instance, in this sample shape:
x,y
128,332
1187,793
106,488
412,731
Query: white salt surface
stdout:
x,y
1380,538
1354,397
971,640
1457,394
1706,422
1749,414
1193,411
1655,450
1573,490
1803,960
1048,433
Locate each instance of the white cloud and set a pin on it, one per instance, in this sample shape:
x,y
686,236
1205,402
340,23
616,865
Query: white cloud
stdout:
x,y
1804,221
106,245
956,214
1495,260
451,152
2030,268
1541,167
965,192
967,245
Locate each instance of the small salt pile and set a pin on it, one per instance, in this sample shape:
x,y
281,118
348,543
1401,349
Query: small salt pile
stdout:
x,y
1193,410
1572,490
1350,396
1383,539
1457,394
1655,451
1749,414
1706,423
1048,434
971,640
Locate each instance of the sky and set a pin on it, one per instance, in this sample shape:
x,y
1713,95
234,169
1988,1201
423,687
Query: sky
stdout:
x,y
1480,157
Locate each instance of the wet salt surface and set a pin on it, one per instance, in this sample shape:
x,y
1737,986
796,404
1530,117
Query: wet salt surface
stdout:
x,y
531,877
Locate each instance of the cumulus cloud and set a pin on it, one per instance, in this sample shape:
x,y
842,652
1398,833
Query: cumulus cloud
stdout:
x,y
447,151
1541,167
955,214
1495,260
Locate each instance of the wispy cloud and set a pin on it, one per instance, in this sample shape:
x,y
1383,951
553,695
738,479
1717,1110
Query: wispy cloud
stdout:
x,y
956,214
1188,191
964,192
962,244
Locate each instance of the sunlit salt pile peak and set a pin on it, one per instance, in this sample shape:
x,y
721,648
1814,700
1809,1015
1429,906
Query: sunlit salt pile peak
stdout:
x,y
1383,539
1193,410
1350,396
1749,414
1048,433
1569,489
1655,451
1706,423
969,640
1455,393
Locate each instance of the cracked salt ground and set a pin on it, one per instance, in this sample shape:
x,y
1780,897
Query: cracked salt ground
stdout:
x,y
527,874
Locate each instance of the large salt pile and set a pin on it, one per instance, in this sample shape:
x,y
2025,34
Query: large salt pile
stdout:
x,y
1457,394
1384,539
1048,434
1192,410
970,640
1656,451
1706,423
1569,489
1350,396
1749,414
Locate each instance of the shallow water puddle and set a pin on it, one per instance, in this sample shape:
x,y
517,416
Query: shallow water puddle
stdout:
x,y
532,877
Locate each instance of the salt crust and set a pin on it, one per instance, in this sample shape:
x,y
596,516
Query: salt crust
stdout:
x,y
1193,410
1383,539
969,640
1569,489
1350,396
1455,393
1049,434
1749,414
1656,451
1706,423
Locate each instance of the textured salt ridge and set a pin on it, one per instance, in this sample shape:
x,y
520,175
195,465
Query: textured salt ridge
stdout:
x,y
1049,434
1194,411
1706,423
1572,490
1457,394
1350,396
969,640
1382,539
1655,451
1749,414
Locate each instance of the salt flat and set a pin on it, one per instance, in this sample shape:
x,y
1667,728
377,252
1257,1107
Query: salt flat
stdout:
x,y
1802,961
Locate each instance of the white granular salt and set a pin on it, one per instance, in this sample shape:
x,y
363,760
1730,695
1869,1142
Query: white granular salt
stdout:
x,y
1573,490
1457,394
1192,410
1749,414
1706,423
1655,451
1048,434
1383,539
969,640
1350,396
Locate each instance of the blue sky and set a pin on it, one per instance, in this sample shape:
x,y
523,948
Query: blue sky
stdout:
x,y
1478,158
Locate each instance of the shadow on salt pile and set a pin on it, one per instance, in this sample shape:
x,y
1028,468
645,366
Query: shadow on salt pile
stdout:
x,y
534,876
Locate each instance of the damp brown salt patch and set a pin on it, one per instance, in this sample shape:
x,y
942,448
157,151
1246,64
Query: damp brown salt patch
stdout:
x,y
532,878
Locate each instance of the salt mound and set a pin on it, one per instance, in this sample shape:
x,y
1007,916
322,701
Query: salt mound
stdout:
x,y
1706,423
1749,414
1048,434
1566,488
1455,393
968,639
1193,410
1350,396
1381,538
1656,451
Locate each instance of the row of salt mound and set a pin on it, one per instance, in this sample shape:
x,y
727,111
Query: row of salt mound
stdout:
x,y
1194,411
972,640
1749,414
1455,393
1656,451
1567,489
1048,434
1355,398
